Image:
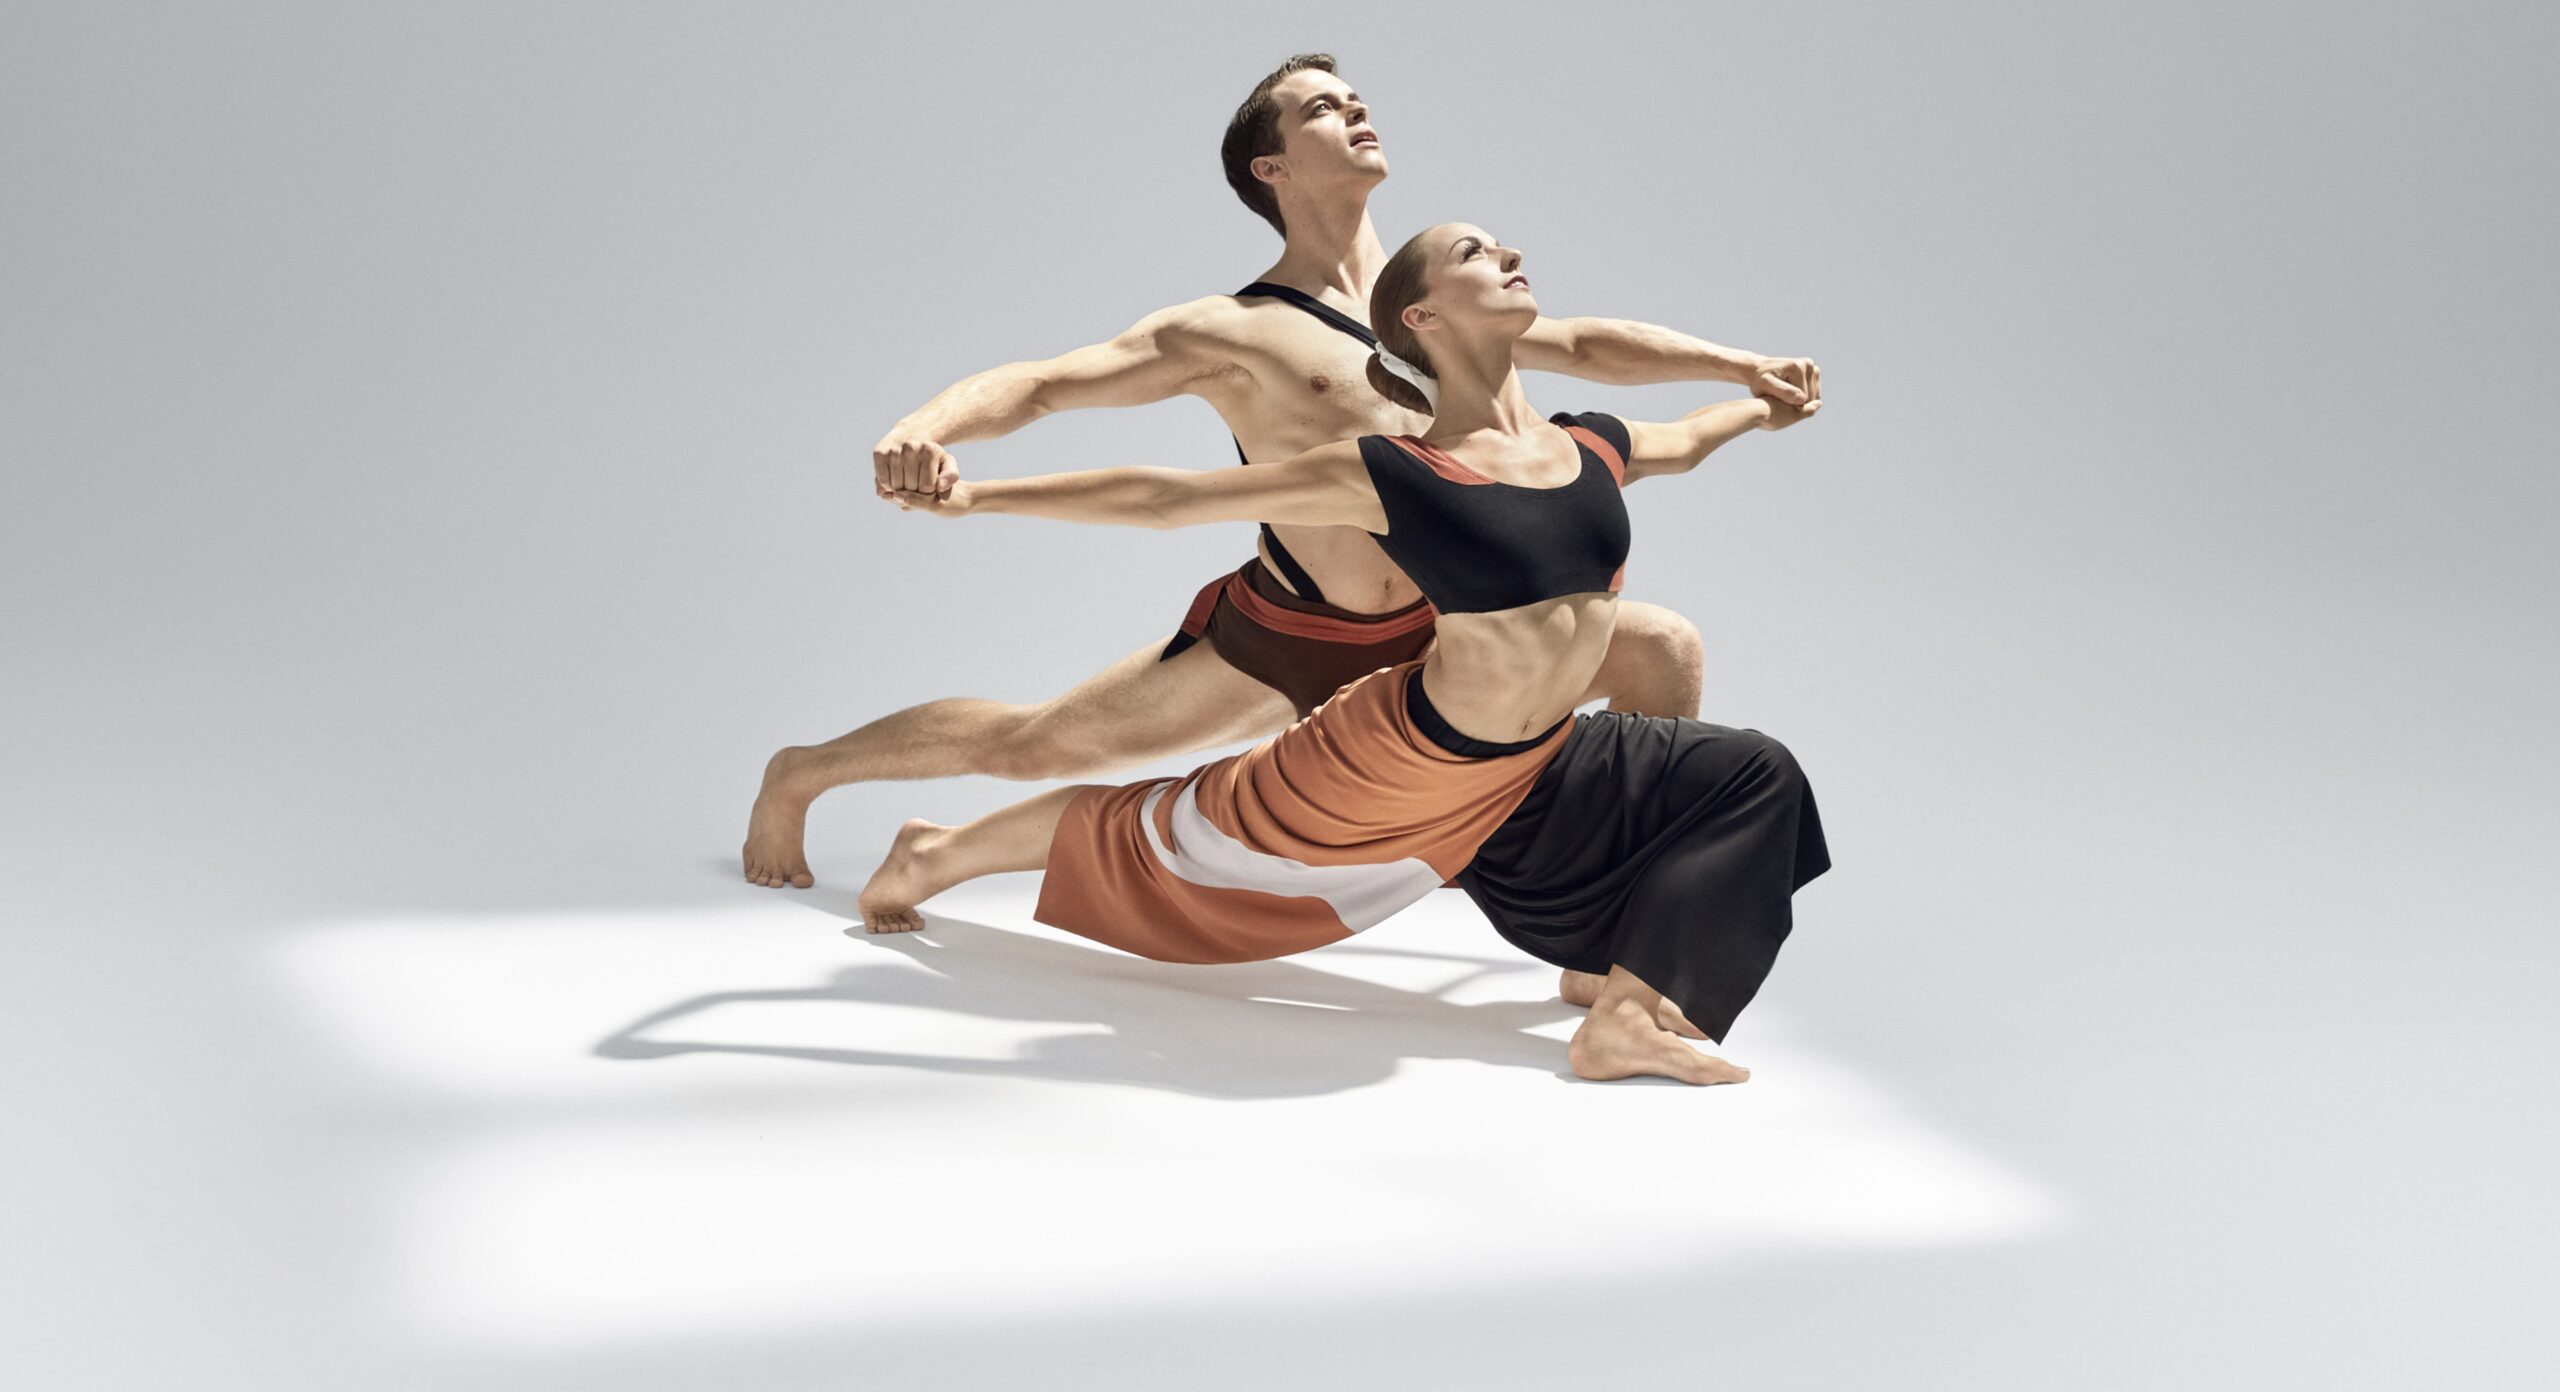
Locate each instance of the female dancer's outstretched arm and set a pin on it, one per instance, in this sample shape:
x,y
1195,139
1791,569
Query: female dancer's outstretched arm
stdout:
x,y
1327,486
1676,447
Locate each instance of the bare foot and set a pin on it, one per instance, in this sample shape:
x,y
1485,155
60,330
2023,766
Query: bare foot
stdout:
x,y
1583,989
1671,1017
1622,1040
773,856
905,879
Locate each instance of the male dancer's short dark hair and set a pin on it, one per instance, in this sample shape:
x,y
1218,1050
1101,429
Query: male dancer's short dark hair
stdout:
x,y
1255,132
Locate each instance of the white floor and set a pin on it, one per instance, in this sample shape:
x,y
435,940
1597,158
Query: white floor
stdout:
x,y
731,1140
756,1122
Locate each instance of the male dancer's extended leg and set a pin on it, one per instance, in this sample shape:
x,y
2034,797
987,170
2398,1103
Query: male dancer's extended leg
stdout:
x,y
1133,711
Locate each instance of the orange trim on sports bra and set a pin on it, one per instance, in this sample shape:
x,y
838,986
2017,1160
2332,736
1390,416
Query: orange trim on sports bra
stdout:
x,y
1455,470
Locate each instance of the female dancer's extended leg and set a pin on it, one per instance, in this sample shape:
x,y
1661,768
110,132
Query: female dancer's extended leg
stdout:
x,y
1630,1032
926,859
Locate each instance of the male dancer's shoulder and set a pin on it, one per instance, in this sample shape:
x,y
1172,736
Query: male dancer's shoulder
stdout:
x,y
1208,320
1189,346
1215,325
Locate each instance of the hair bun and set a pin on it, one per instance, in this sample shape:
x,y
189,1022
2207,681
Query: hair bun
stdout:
x,y
1425,387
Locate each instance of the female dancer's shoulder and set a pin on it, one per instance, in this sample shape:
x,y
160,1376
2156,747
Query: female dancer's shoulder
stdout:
x,y
1611,430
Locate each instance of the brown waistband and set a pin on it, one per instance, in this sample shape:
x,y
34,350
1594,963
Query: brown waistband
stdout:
x,y
1260,597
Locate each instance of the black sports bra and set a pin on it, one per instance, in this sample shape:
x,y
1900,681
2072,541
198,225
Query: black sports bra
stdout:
x,y
1475,545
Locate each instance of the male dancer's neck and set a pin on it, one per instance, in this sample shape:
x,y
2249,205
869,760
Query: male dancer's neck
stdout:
x,y
1330,246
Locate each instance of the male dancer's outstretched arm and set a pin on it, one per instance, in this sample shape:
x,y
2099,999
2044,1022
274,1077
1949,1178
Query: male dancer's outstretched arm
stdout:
x,y
1164,355
1173,350
1626,353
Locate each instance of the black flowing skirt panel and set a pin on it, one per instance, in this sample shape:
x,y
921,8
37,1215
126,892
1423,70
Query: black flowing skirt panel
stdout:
x,y
1672,848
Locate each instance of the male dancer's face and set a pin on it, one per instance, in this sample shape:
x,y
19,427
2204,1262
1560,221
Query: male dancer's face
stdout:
x,y
1326,141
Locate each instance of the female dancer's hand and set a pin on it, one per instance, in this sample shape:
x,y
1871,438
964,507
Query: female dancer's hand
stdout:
x,y
953,501
1781,415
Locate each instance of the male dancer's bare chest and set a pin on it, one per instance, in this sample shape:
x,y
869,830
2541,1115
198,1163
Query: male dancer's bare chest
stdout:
x,y
1301,395
1300,386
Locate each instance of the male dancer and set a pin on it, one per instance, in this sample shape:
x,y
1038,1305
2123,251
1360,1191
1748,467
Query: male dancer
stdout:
x,y
1283,362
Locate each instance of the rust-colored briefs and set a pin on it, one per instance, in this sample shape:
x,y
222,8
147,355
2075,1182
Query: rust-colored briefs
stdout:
x,y
1304,649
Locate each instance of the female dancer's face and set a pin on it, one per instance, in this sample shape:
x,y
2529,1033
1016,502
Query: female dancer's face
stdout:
x,y
1474,287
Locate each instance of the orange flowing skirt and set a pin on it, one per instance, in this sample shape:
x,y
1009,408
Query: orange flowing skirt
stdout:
x,y
1323,830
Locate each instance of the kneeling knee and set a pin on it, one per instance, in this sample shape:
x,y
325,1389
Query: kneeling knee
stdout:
x,y
1677,642
1768,753
1658,663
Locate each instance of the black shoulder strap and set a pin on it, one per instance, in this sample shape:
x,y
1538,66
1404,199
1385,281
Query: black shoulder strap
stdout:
x,y
1290,570
1331,316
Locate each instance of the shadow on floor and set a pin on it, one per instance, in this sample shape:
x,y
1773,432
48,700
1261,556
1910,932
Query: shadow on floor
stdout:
x,y
1250,1030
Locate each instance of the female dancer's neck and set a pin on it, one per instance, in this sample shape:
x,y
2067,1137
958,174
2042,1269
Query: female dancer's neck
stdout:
x,y
1481,392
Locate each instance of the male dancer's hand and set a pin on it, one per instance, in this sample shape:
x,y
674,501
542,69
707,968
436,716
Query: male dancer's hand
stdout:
x,y
903,463
1791,381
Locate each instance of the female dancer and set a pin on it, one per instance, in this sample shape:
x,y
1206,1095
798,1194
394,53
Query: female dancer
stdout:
x,y
1652,859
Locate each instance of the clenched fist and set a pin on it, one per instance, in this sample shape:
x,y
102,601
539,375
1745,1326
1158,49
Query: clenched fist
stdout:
x,y
1788,381
908,464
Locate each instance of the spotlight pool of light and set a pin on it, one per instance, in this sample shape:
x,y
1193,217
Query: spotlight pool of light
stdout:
x,y
690,1124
